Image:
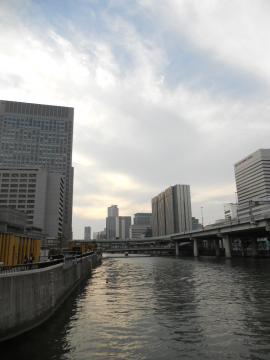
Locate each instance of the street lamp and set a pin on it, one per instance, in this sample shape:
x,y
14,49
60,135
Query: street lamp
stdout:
x,y
202,214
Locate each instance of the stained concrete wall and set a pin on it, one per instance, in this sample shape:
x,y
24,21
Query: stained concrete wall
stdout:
x,y
28,298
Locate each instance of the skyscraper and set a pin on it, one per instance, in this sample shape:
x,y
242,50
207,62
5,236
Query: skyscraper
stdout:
x,y
87,233
39,135
124,225
252,175
171,211
113,211
112,223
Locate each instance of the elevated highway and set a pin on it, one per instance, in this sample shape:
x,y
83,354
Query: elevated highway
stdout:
x,y
218,236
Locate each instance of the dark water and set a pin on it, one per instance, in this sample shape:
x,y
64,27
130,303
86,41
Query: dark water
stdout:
x,y
159,308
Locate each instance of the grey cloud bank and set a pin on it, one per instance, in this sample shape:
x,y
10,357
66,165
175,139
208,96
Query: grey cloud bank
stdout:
x,y
136,132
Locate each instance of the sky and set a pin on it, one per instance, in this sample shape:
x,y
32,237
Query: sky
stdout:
x,y
164,92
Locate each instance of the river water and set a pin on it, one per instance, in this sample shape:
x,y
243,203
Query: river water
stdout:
x,y
159,308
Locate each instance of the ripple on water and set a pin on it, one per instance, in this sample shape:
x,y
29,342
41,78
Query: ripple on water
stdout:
x,y
161,308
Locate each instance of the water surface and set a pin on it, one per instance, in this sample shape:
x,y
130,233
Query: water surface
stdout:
x,y
159,308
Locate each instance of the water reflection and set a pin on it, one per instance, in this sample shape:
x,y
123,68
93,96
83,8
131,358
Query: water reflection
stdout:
x,y
158,308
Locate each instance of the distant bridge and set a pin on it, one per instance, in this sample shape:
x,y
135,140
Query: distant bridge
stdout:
x,y
219,239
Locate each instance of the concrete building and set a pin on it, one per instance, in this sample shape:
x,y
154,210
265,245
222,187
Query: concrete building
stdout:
x,y
143,219
112,223
113,211
36,192
100,235
230,211
139,231
171,211
142,225
196,224
34,135
252,175
87,233
124,225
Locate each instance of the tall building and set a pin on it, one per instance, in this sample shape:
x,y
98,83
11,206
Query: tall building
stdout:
x,y
252,175
171,211
87,233
36,192
124,225
142,218
39,135
142,226
113,211
112,223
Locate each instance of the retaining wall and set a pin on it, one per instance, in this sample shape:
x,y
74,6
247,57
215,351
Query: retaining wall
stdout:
x,y
28,298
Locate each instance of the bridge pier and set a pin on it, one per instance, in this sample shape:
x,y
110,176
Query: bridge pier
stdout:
x,y
227,246
254,246
195,247
217,248
177,249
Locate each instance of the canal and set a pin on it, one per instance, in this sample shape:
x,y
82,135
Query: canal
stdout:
x,y
159,308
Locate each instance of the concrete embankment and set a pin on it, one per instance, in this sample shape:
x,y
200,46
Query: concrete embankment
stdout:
x,y
28,298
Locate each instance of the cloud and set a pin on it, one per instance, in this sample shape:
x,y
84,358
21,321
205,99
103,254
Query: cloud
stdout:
x,y
134,132
235,32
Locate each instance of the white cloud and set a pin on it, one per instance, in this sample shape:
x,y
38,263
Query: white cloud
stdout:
x,y
232,32
134,135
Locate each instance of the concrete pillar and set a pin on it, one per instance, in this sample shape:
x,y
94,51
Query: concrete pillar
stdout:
x,y
195,248
227,246
254,246
176,249
217,249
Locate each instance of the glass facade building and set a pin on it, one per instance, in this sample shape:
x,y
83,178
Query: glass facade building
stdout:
x,y
39,135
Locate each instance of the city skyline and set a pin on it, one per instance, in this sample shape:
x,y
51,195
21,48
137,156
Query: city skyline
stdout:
x,y
162,94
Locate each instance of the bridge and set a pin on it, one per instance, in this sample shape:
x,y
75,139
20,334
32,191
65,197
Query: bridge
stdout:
x,y
144,246
218,238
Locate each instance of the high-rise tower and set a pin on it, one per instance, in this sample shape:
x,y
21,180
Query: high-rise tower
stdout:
x,y
39,135
112,223
252,175
171,211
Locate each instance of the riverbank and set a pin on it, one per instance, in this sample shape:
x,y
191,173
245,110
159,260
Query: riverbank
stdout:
x,y
30,297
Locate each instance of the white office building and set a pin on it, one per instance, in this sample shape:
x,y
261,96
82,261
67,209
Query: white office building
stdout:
x,y
36,192
252,175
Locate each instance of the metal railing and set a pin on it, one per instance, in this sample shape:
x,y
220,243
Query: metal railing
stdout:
x,y
29,266
5,269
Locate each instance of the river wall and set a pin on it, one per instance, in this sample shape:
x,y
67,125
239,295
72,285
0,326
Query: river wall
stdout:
x,y
28,298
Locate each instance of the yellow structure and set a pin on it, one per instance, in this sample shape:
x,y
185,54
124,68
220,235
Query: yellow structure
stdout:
x,y
15,249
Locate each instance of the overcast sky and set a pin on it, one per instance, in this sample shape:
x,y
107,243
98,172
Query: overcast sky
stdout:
x,y
165,92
